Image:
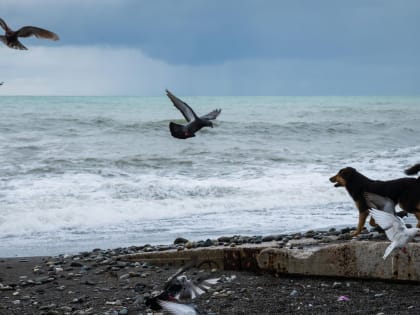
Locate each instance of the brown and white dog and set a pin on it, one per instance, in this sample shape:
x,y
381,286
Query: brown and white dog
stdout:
x,y
402,191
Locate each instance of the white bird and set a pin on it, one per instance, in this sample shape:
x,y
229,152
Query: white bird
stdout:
x,y
177,308
191,289
394,227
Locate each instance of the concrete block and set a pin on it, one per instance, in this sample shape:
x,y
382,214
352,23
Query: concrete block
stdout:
x,y
354,259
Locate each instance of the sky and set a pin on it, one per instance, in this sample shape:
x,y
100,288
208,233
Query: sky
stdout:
x,y
214,47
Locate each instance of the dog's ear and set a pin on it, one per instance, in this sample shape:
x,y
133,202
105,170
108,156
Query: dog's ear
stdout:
x,y
347,171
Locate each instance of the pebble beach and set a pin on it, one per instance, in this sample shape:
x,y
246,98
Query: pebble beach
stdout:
x,y
103,282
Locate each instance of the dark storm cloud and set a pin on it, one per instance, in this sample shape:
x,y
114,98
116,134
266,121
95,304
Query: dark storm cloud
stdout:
x,y
255,47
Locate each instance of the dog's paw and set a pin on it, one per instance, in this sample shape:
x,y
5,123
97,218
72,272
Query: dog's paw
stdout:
x,y
355,233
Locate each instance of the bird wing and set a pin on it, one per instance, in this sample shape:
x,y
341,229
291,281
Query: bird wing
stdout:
x,y
183,107
207,283
187,266
192,289
392,224
212,115
189,291
177,308
38,32
4,25
380,202
389,249
3,39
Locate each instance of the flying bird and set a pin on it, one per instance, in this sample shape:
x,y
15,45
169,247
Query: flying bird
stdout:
x,y
179,288
178,308
394,227
194,122
11,37
379,202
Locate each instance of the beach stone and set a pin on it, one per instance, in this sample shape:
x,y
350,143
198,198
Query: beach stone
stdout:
x,y
180,240
344,236
76,264
5,287
268,238
294,292
310,233
224,239
208,242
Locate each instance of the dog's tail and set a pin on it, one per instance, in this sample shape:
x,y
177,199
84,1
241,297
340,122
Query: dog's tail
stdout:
x,y
413,170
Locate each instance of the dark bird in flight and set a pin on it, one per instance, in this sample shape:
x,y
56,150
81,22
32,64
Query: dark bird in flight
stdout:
x,y
10,38
194,122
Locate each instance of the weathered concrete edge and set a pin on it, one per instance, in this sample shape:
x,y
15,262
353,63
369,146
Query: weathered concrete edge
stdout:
x,y
353,259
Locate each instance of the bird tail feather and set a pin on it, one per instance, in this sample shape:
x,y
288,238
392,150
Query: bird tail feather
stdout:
x,y
388,250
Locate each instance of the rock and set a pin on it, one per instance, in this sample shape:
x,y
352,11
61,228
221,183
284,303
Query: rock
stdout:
x,y
208,242
309,234
180,240
76,264
345,230
336,284
5,287
224,239
124,311
268,238
294,292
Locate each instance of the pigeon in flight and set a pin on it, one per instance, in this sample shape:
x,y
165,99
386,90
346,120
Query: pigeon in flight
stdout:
x,y
11,37
195,122
381,203
179,288
394,227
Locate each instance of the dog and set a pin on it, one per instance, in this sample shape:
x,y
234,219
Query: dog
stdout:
x,y
403,191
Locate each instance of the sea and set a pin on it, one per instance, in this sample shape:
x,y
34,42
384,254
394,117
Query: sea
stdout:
x,y
78,173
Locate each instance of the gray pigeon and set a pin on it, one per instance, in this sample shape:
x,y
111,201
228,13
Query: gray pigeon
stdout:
x,y
194,122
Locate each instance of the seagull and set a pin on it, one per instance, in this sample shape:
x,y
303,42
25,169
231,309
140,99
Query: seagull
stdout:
x,y
179,288
195,122
394,227
178,308
11,37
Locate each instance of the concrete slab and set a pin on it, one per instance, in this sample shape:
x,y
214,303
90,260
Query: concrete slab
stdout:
x,y
240,257
350,259
354,259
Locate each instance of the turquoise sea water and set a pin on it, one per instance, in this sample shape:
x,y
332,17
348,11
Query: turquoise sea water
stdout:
x,y
83,172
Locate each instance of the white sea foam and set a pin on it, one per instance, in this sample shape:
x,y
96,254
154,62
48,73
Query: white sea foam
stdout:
x,y
77,173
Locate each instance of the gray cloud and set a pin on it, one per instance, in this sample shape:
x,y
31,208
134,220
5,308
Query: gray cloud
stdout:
x,y
104,70
235,47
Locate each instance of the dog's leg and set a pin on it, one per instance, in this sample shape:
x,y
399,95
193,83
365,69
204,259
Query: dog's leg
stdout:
x,y
362,219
